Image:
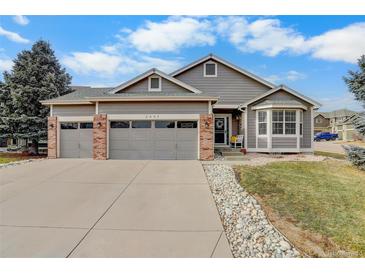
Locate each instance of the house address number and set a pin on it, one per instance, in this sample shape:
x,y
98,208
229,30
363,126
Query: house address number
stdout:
x,y
152,116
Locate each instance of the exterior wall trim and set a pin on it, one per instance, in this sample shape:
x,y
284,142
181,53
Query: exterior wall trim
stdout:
x,y
75,118
112,117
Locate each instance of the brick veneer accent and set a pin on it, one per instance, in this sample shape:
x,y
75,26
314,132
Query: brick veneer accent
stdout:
x,y
206,137
100,137
52,137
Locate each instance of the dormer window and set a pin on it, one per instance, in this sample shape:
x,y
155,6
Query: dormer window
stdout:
x,y
154,83
210,69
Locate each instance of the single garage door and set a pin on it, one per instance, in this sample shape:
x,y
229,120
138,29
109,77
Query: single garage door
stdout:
x,y
159,140
76,140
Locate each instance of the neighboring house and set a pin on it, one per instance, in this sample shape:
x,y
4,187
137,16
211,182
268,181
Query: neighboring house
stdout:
x,y
347,130
182,115
321,122
336,121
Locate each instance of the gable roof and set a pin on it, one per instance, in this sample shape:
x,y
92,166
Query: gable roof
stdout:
x,y
287,89
323,114
226,63
149,73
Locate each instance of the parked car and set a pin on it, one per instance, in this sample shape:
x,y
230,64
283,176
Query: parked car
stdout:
x,y
328,136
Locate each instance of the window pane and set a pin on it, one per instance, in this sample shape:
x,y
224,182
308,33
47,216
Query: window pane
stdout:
x,y
155,83
301,129
209,69
262,116
69,126
262,128
187,124
86,125
289,128
277,128
164,124
290,116
301,117
119,124
277,115
141,124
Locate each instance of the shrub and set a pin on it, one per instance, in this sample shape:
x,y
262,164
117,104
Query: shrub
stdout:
x,y
356,155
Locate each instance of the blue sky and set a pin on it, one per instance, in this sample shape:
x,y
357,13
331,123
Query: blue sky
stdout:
x,y
308,53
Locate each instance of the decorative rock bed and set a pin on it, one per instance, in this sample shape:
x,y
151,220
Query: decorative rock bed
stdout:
x,y
249,232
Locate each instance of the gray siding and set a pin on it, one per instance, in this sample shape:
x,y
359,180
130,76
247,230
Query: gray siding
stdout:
x,y
307,130
74,110
251,128
231,86
262,142
166,86
154,108
284,142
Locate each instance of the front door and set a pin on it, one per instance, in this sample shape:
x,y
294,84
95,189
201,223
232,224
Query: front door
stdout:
x,y
221,133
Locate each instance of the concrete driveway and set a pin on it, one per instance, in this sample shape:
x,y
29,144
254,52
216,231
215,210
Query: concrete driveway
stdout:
x,y
86,208
329,146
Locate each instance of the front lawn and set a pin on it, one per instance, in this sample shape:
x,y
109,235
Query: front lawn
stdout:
x,y
330,154
14,157
319,206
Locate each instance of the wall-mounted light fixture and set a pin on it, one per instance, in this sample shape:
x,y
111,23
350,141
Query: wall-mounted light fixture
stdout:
x,y
98,125
207,124
51,126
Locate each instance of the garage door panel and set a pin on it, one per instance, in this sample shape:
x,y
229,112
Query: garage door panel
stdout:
x,y
141,155
163,143
165,155
141,134
76,143
187,134
119,134
119,145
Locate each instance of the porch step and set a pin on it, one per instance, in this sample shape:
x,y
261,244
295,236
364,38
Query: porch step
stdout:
x,y
235,158
232,153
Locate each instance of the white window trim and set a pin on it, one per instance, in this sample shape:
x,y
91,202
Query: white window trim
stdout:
x,y
159,83
258,122
216,69
300,113
283,122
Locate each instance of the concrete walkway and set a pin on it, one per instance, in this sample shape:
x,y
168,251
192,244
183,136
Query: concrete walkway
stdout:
x,y
86,208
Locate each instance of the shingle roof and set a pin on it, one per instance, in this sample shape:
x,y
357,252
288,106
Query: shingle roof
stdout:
x,y
85,93
81,92
337,113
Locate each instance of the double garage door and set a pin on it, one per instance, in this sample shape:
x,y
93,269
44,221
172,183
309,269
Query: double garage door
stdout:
x,y
160,140
134,140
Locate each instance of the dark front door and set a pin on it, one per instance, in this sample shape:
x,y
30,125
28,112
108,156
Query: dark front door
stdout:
x,y
220,130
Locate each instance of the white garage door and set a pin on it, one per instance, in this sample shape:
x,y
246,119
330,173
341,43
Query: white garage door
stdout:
x,y
160,140
76,140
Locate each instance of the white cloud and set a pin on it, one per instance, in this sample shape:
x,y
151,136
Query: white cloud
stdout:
x,y
293,75
269,37
289,76
346,44
5,64
108,65
91,62
263,35
172,34
21,20
13,36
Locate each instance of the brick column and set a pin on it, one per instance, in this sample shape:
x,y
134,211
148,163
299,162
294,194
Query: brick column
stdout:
x,y
206,137
100,137
52,137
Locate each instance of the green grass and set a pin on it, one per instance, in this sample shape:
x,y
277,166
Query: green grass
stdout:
x,y
5,160
324,197
330,154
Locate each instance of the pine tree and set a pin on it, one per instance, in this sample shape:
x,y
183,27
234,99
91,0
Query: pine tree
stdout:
x,y
356,85
36,75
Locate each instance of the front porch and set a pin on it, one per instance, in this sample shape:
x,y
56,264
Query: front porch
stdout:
x,y
227,123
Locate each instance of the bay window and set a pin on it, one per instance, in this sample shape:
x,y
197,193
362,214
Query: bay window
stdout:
x,y
262,122
284,122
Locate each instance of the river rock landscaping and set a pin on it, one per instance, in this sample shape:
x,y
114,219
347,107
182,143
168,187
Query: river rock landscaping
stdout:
x,y
249,232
